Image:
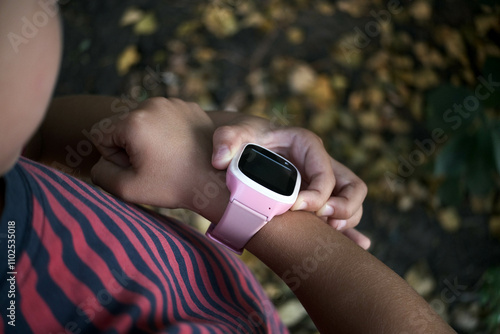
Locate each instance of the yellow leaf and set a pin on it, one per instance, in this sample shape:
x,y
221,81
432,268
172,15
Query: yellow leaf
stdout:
x,y
187,28
147,25
127,59
295,35
220,21
325,8
449,219
131,16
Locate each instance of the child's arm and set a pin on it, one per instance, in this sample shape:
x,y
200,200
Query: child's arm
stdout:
x,y
64,139
343,288
74,124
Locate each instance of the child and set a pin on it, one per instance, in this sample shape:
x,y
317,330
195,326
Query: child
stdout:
x,y
79,260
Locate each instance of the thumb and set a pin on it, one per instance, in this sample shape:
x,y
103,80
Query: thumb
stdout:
x,y
227,140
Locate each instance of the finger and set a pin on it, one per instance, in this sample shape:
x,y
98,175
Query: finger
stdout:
x,y
226,142
344,224
307,152
348,194
357,237
115,179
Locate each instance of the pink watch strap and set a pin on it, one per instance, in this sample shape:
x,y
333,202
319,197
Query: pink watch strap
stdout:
x,y
237,226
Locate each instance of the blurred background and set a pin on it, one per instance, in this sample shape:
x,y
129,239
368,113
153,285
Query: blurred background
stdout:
x,y
405,93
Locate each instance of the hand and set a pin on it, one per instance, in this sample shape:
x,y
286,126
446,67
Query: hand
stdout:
x,y
160,155
329,188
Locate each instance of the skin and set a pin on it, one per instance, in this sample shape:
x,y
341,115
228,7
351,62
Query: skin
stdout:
x,y
119,129
343,288
348,291
27,79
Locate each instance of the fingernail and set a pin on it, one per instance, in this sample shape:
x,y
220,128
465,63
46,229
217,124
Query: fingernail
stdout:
x,y
325,211
341,224
222,153
301,206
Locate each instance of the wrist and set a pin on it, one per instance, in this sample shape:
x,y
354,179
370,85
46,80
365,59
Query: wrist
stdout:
x,y
210,196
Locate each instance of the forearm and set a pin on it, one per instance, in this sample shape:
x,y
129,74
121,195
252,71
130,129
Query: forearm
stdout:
x,y
343,288
64,138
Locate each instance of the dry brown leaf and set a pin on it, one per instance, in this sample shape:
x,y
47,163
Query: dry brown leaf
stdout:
x,y
428,56
325,8
356,101
302,77
204,55
355,8
453,43
295,35
321,94
495,226
323,121
425,79
421,10
370,120
484,23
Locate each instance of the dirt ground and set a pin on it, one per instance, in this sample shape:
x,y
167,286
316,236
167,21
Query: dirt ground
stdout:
x,y
357,73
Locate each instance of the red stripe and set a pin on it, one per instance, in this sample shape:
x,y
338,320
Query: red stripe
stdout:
x,y
33,306
74,289
93,260
219,259
154,228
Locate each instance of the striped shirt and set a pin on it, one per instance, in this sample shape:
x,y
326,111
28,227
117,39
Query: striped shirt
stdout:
x,y
86,262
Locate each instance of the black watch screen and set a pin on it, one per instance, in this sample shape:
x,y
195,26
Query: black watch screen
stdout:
x,y
268,169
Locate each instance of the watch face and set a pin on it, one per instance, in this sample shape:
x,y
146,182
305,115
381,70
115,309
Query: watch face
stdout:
x,y
268,169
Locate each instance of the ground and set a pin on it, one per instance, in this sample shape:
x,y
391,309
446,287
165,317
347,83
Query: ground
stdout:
x,y
373,78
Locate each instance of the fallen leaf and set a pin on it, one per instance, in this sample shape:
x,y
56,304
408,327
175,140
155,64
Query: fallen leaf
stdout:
x,y
325,8
127,59
295,35
301,78
355,8
420,278
485,23
147,25
321,94
453,43
495,226
421,10
449,219
220,21
131,15
370,120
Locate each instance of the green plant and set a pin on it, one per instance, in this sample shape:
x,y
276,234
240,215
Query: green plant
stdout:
x,y
469,160
490,298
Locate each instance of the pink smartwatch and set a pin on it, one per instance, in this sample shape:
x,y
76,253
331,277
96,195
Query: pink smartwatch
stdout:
x,y
262,184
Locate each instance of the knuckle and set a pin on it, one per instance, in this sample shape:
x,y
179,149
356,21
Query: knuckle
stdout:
x,y
363,188
313,137
224,132
313,206
156,102
345,212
